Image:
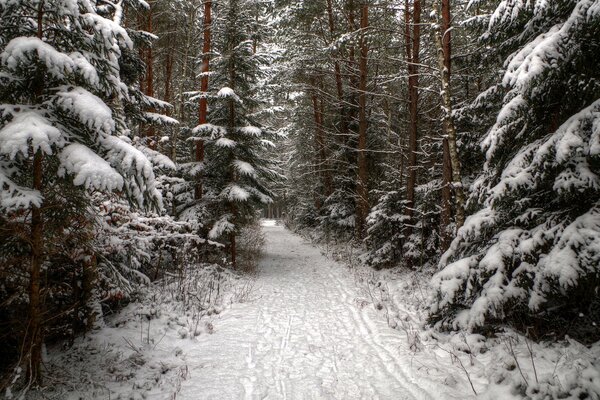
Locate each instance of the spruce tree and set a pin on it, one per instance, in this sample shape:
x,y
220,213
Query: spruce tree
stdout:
x,y
236,169
531,248
61,120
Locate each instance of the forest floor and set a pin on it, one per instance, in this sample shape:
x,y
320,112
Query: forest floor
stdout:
x,y
309,327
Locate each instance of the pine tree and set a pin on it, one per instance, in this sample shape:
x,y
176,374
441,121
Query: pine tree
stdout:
x,y
532,246
60,125
236,171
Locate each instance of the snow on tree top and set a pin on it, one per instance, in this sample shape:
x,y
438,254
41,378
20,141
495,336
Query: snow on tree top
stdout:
x,y
209,129
85,69
109,30
224,142
90,170
87,107
29,128
235,193
160,119
227,92
27,50
251,131
244,168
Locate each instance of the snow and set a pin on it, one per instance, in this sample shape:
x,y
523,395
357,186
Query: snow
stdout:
x,y
109,31
160,119
29,129
90,170
220,227
244,168
85,69
235,192
305,335
209,130
133,164
575,256
88,108
251,131
26,50
228,93
225,142
308,328
14,196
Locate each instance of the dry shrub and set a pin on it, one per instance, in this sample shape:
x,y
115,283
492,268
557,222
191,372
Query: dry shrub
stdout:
x,y
250,243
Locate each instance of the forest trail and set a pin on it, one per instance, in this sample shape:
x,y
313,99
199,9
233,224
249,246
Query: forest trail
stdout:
x,y
306,333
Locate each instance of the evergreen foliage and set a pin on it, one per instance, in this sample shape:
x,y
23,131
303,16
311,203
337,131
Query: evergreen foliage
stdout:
x,y
236,170
531,248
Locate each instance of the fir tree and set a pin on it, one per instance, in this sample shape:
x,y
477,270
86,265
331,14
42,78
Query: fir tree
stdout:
x,y
235,171
60,125
532,246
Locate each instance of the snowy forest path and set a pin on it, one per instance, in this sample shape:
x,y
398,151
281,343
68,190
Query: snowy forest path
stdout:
x,y
305,333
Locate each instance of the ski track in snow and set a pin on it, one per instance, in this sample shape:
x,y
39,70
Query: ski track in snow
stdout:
x,y
305,334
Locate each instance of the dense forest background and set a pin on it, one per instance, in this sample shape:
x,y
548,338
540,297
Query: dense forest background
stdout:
x,y
460,138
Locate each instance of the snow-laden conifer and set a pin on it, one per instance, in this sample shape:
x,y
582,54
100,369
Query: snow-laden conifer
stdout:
x,y
237,170
533,243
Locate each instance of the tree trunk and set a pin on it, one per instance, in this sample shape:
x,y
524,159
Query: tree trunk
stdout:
x,y
34,340
444,62
151,132
337,69
322,163
34,335
88,283
232,242
168,79
446,212
182,82
203,104
362,204
412,55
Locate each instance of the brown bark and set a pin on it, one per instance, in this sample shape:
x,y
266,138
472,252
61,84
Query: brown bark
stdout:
x,y
444,59
412,54
34,340
446,212
151,131
183,80
203,104
323,165
447,34
168,79
233,250
362,203
339,85
34,334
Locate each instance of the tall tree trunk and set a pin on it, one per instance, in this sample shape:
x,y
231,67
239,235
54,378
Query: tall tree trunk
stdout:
x,y
168,79
442,40
203,104
34,335
362,205
322,163
183,80
413,49
151,131
34,342
88,282
339,85
446,211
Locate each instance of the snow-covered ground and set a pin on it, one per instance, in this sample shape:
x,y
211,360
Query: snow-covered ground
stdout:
x,y
307,328
308,334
